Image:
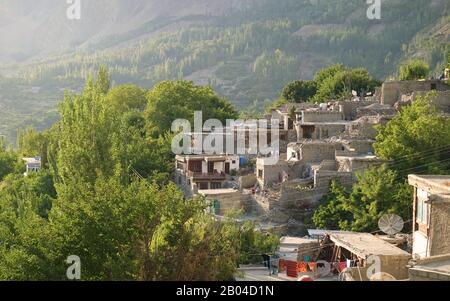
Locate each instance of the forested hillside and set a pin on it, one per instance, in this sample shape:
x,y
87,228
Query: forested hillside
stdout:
x,y
247,50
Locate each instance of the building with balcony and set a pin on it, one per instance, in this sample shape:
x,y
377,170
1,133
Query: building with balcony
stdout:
x,y
204,172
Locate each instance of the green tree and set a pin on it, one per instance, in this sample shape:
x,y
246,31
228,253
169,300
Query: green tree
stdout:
x,y
299,91
107,198
254,243
414,70
103,81
171,100
8,160
377,192
338,82
124,98
416,139
332,213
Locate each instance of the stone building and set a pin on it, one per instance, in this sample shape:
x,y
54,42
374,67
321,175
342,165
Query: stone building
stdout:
x,y
392,91
319,124
354,161
363,249
431,215
365,127
376,109
204,172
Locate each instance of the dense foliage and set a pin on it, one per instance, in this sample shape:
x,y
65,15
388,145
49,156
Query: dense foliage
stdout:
x,y
299,91
414,70
105,195
331,83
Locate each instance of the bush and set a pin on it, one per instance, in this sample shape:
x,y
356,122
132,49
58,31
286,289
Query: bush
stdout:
x,y
414,70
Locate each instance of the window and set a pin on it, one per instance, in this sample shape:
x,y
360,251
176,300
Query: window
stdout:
x,y
195,166
210,167
234,161
294,155
260,173
422,207
216,185
290,124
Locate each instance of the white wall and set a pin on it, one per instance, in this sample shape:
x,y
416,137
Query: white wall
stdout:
x,y
420,245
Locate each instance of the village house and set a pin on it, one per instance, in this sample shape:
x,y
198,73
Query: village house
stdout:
x,y
330,146
32,165
431,215
319,123
348,256
393,91
204,172
358,252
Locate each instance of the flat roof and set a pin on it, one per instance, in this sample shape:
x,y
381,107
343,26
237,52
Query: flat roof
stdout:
x,y
366,244
431,184
32,160
337,122
206,157
289,240
314,142
320,232
440,266
361,157
217,191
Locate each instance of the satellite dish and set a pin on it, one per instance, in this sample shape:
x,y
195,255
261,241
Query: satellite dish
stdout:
x,y
391,224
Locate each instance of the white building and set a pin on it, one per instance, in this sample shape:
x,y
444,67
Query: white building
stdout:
x,y
205,172
32,165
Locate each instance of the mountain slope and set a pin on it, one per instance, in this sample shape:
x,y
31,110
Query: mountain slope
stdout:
x,y
31,29
247,50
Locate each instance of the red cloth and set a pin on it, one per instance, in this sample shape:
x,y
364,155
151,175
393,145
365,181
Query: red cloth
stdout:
x,y
342,266
291,269
306,279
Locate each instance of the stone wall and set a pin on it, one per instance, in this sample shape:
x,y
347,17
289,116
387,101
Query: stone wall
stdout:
x,y
360,146
322,131
350,107
416,274
364,127
392,265
441,100
421,272
322,116
391,92
270,173
248,181
323,178
440,228
375,110
317,152
230,201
